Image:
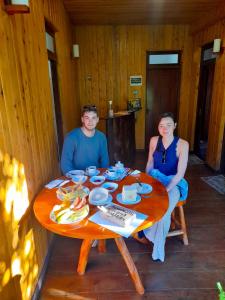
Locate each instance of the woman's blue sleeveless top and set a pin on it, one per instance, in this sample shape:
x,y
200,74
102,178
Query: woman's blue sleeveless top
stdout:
x,y
166,160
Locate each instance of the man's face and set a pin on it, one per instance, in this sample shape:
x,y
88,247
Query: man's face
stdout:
x,y
89,120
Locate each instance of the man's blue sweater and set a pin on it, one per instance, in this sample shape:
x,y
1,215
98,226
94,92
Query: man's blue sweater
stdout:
x,y
80,151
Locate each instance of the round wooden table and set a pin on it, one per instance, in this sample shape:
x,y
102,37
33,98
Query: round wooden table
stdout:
x,y
153,206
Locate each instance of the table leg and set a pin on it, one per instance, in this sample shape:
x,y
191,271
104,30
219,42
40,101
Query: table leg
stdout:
x,y
130,265
84,252
102,246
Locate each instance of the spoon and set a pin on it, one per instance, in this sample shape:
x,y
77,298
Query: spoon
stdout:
x,y
138,181
146,196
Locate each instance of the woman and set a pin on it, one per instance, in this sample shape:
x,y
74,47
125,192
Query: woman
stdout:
x,y
167,162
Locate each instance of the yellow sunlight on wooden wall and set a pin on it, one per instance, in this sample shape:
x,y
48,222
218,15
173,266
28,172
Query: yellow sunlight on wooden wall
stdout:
x,y
18,262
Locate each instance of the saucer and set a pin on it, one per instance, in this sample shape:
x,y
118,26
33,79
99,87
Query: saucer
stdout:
x,y
97,180
94,174
144,188
120,199
110,186
74,173
107,201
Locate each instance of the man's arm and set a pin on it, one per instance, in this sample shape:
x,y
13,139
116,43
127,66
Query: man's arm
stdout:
x,y
67,155
182,165
104,156
152,146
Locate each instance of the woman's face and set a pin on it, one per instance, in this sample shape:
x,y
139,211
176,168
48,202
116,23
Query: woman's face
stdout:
x,y
166,127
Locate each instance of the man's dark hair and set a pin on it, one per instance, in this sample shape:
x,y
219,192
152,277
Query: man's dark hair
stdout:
x,y
89,108
167,115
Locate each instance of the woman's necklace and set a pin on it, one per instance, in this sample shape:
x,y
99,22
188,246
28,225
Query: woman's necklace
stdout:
x,y
167,142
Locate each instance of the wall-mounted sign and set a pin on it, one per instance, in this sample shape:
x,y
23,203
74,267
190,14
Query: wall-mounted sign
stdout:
x,y
136,80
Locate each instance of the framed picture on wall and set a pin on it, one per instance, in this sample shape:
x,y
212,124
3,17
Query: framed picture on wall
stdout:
x,y
134,104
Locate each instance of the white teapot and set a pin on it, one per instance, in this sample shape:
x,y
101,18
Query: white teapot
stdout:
x,y
119,167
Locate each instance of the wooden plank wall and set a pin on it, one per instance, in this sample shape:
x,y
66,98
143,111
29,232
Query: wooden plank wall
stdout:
x,y
217,114
110,54
28,152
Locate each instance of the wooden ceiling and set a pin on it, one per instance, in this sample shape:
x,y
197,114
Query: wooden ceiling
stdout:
x,y
115,12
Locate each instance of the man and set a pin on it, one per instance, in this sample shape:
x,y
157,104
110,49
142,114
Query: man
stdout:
x,y
85,146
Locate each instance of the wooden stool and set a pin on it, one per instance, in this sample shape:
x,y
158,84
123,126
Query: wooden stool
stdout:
x,y
179,223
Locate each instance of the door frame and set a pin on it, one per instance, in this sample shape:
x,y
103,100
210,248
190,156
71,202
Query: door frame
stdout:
x,y
57,111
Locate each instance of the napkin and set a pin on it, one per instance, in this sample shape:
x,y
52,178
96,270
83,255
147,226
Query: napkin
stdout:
x,y
56,183
135,172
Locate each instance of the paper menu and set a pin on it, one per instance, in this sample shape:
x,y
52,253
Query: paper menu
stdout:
x,y
124,231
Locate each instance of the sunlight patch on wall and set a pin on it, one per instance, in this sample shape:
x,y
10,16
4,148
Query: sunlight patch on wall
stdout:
x,y
15,265
6,277
19,260
16,188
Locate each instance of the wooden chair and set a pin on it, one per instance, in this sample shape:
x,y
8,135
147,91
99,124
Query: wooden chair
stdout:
x,y
178,225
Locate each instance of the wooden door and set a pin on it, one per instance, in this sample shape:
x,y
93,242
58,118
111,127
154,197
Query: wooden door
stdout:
x,y
204,106
163,86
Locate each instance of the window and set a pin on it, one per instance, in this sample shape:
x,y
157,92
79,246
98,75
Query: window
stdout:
x,y
164,58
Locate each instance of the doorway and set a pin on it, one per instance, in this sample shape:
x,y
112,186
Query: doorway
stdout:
x,y
163,89
53,78
204,101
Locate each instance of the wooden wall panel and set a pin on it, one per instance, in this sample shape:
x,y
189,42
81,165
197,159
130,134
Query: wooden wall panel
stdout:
x,y
28,151
217,114
127,56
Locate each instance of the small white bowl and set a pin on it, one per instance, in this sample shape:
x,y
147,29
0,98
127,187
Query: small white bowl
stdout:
x,y
72,173
79,178
96,180
98,196
110,186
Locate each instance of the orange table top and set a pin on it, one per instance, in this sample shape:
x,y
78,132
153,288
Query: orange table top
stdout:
x,y
154,207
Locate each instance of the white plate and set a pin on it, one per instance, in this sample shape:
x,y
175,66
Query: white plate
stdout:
x,y
52,217
83,180
110,186
107,201
97,180
120,199
94,174
84,188
144,188
74,172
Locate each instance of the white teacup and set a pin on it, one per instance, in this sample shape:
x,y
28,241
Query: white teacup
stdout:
x,y
111,173
91,170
